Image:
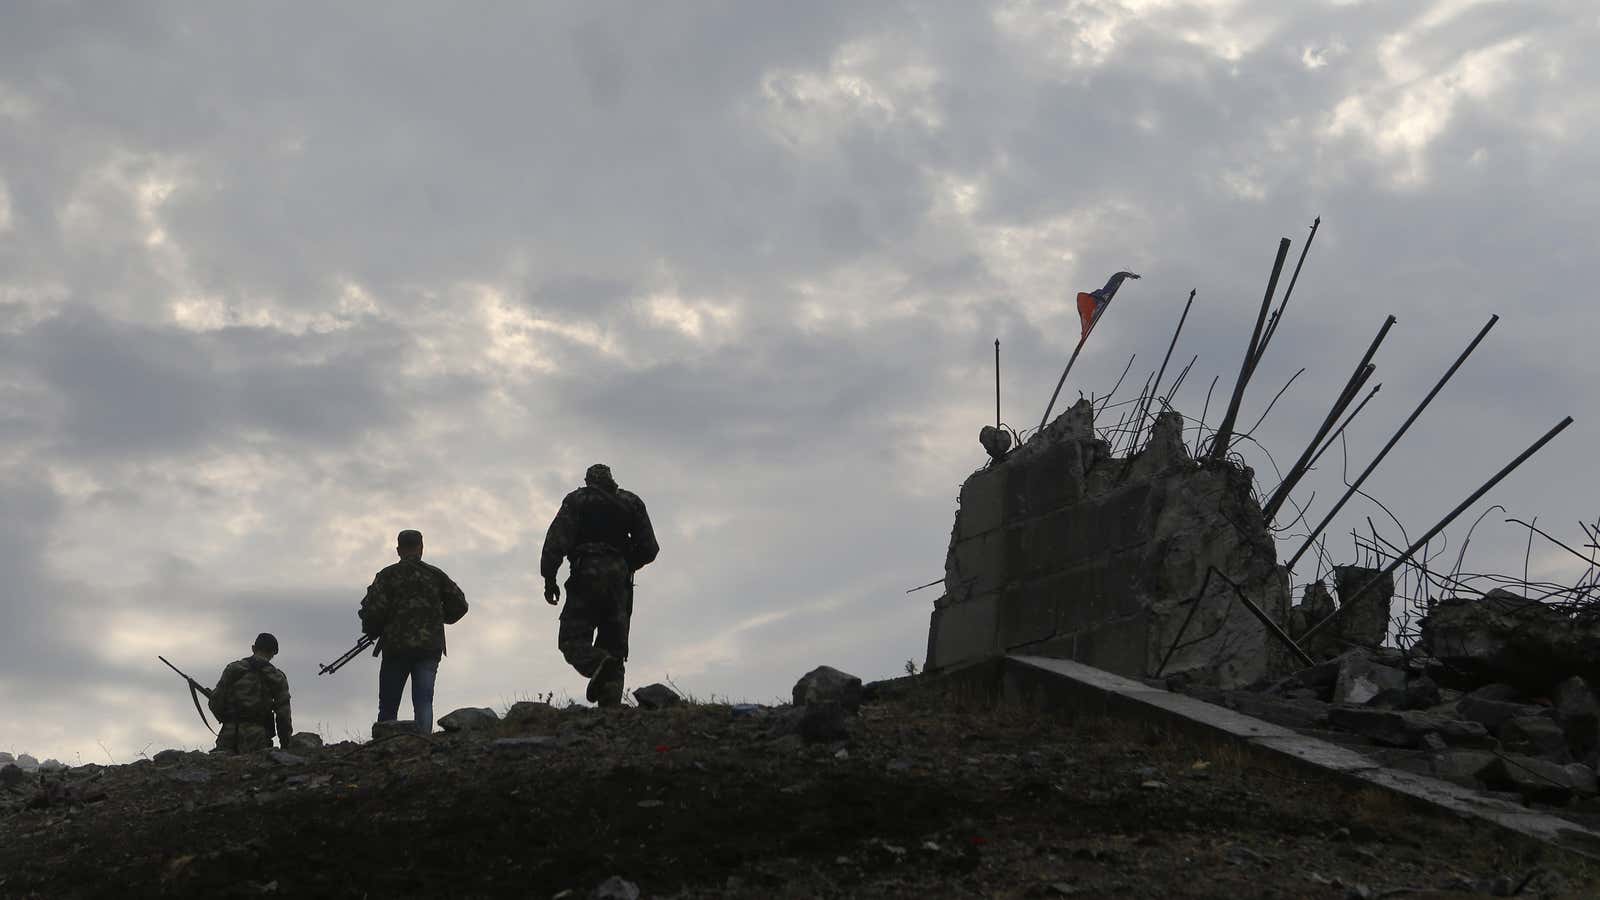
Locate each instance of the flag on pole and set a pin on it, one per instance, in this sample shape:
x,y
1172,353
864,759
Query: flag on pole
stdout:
x,y
1093,303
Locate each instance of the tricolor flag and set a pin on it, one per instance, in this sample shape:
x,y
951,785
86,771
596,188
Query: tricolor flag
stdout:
x,y
1090,305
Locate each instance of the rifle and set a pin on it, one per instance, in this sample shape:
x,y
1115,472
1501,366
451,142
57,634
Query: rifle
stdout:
x,y
195,690
367,640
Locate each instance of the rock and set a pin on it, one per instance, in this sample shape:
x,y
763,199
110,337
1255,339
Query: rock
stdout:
x,y
169,755
1433,743
1460,732
1421,692
616,888
1386,726
1361,680
304,741
1578,713
1535,779
823,721
1497,691
469,718
827,684
1504,637
1461,766
656,696
1365,619
1322,676
1535,736
1288,713
27,763
285,758
1492,714
393,728
1584,782
746,710
530,742
6,758
191,776
52,765
11,775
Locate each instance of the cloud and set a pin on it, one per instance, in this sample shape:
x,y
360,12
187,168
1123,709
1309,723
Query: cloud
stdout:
x,y
276,285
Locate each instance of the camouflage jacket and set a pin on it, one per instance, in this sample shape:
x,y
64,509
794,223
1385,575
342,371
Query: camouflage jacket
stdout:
x,y
255,692
591,515
408,605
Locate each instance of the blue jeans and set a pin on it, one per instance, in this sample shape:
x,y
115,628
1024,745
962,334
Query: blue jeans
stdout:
x,y
421,668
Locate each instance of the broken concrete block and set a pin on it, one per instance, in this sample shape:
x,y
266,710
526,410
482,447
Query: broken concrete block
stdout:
x,y
827,684
1386,726
1365,619
1578,713
1492,714
1498,690
1535,736
1288,713
1584,782
1504,637
1462,766
1361,680
1535,779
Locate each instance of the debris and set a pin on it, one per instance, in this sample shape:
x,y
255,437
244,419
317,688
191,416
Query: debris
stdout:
x,y
823,722
656,696
393,728
616,888
825,684
1361,680
284,758
167,756
304,741
1535,736
469,718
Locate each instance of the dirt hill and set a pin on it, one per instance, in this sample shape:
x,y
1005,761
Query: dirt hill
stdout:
x,y
926,798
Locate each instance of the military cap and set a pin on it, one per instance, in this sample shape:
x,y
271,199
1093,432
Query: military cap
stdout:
x,y
409,538
265,641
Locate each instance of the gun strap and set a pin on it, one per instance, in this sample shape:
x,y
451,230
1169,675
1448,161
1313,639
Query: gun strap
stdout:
x,y
194,694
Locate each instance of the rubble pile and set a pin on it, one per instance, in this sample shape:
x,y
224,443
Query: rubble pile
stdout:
x,y
1498,694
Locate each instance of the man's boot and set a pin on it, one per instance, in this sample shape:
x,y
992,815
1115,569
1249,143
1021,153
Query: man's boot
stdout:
x,y
600,683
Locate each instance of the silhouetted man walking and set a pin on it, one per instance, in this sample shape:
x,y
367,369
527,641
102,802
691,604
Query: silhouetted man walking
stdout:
x,y
407,607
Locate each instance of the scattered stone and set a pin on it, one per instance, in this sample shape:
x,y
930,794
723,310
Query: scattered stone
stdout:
x,y
825,684
656,696
822,722
1433,743
11,775
393,728
534,742
616,888
1492,714
285,758
1583,778
1361,680
1535,779
1461,766
169,755
1535,736
304,741
1497,691
1462,733
1578,713
191,776
469,718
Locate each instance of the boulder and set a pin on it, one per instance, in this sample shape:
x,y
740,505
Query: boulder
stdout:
x,y
393,728
1461,732
52,765
304,741
616,888
11,775
1498,690
166,757
469,718
1386,726
1578,713
285,758
525,712
1361,680
27,763
656,696
6,758
1535,736
827,684
1492,714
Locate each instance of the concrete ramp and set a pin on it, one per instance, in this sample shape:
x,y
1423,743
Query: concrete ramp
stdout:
x,y
1064,685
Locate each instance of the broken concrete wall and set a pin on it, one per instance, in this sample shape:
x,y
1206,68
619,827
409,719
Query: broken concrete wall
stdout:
x,y
1062,550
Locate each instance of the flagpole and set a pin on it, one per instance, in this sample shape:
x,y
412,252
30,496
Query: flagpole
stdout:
x,y
1074,358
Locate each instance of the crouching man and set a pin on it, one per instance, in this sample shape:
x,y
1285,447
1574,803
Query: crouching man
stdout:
x,y
251,700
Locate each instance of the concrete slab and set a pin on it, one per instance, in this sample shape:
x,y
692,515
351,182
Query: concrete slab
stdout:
x,y
1086,690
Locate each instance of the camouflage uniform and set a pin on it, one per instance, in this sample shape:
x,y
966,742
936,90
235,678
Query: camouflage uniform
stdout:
x,y
605,532
251,700
407,606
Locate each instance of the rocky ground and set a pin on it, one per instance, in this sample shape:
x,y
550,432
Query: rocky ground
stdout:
x,y
923,796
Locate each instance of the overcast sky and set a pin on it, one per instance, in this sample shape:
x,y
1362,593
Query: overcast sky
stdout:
x,y
277,281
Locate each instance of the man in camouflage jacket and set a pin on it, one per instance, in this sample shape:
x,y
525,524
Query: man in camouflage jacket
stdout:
x,y
605,532
407,607
251,700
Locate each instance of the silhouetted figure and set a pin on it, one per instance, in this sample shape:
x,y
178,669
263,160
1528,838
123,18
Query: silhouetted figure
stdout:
x,y
251,700
406,608
604,531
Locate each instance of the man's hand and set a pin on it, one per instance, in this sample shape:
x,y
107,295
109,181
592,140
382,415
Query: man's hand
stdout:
x,y
552,593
